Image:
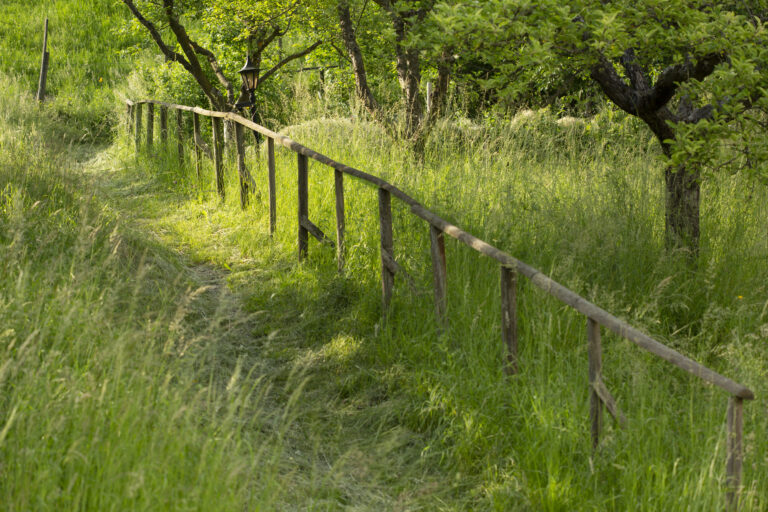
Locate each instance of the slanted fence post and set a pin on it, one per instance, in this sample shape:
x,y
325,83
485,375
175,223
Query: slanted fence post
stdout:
x,y
218,148
241,170
509,317
387,249
43,65
303,186
272,190
180,135
439,272
138,132
150,125
340,222
595,352
735,420
164,124
198,140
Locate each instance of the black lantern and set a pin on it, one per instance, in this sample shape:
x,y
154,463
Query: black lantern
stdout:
x,y
249,73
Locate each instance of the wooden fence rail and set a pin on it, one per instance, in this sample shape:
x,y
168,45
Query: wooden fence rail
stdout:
x,y
510,267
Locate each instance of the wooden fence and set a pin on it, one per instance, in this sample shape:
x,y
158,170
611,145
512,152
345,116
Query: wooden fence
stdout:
x,y
509,267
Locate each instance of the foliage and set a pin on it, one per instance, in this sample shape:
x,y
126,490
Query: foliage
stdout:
x,y
524,41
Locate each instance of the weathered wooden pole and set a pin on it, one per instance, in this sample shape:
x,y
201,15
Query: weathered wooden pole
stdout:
x,y
138,132
198,140
387,249
150,125
164,125
340,221
439,272
595,352
509,317
129,113
43,65
303,189
180,135
218,148
735,419
272,189
241,170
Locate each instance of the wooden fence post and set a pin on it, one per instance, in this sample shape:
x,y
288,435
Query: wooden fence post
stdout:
x,y
241,170
43,65
595,352
439,271
218,148
734,446
180,135
272,190
150,125
340,221
509,317
303,204
198,139
137,133
164,124
129,113
387,249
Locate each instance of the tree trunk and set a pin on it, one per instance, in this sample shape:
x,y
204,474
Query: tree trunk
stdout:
x,y
439,97
409,76
683,195
356,58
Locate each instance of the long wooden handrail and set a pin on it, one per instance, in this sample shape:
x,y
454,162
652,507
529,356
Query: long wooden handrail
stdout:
x,y
541,280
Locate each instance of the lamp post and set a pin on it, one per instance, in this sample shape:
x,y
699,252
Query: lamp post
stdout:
x,y
250,74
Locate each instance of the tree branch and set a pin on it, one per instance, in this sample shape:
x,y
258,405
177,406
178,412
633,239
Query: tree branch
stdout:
x,y
634,71
155,34
216,70
213,94
288,59
670,79
614,87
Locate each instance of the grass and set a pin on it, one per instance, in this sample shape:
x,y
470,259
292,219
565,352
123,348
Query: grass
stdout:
x,y
161,351
578,201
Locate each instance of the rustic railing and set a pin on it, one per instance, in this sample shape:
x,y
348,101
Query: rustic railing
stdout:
x,y
510,267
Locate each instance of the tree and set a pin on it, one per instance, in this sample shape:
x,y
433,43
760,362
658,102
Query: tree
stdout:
x,y
407,22
693,71
227,22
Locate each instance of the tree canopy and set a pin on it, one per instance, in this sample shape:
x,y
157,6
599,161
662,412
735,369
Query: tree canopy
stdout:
x,y
693,71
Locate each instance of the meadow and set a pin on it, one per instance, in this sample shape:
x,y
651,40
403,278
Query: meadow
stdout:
x,y
161,351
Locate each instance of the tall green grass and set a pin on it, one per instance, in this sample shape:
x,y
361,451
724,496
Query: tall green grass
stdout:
x,y
582,201
88,42
121,384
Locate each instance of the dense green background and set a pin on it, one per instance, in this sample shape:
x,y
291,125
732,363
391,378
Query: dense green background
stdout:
x,y
160,351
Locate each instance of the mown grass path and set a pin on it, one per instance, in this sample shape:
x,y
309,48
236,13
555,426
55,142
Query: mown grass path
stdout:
x,y
297,332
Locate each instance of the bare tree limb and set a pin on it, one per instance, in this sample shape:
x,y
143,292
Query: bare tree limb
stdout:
x,y
635,72
670,79
223,80
288,59
213,94
155,34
